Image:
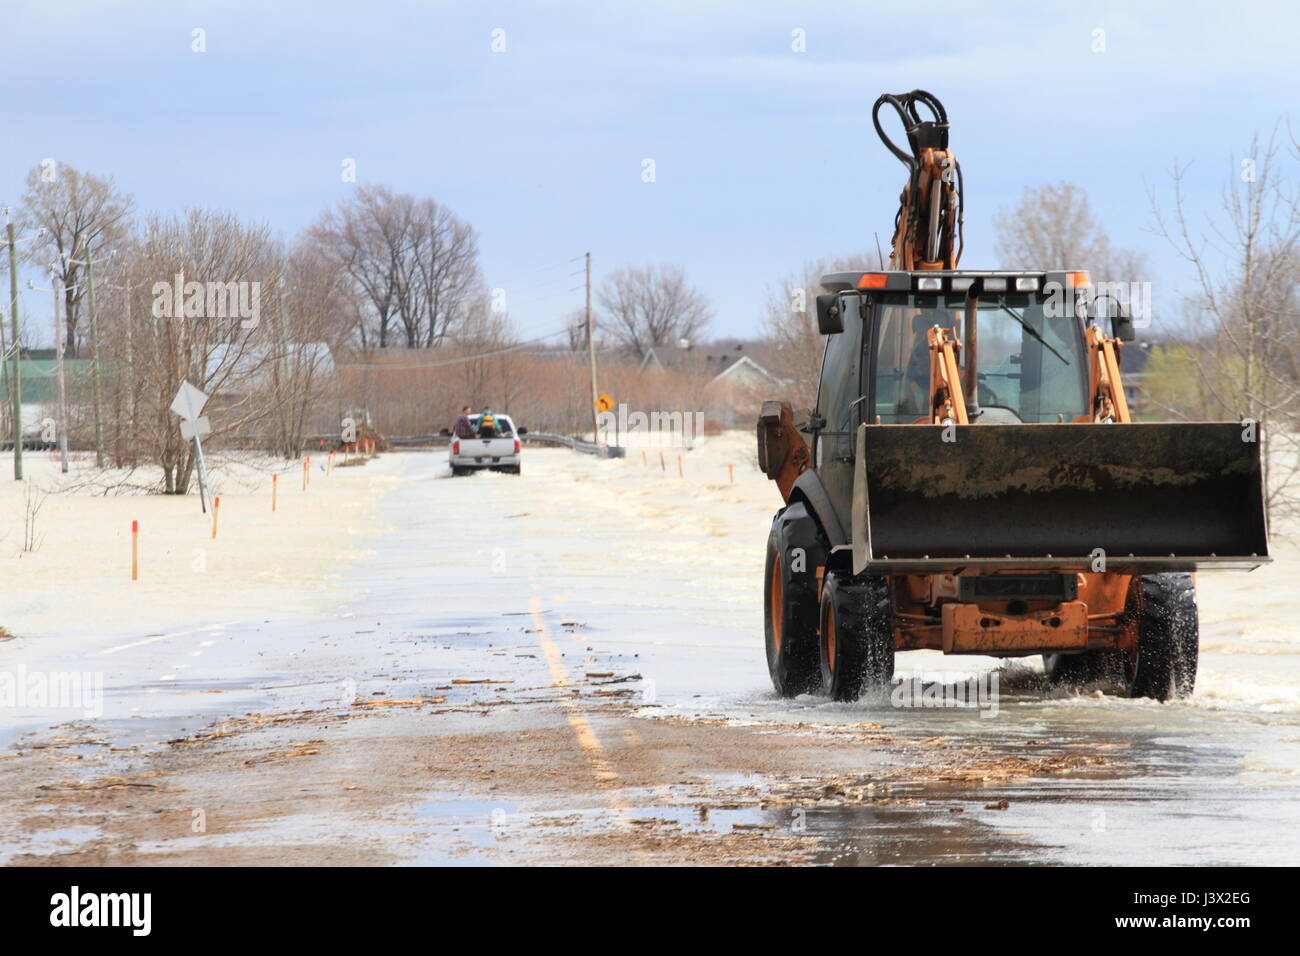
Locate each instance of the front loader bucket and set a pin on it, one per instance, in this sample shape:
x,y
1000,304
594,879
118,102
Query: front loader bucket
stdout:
x,y
1140,497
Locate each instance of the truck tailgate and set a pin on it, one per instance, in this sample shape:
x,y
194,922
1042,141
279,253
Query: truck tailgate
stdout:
x,y
487,447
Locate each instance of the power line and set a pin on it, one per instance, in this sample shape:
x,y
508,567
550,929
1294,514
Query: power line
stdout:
x,y
463,358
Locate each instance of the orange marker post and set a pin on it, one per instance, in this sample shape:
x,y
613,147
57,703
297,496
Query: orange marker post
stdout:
x,y
306,463
275,482
731,473
643,458
135,550
680,473
329,465
216,507
662,466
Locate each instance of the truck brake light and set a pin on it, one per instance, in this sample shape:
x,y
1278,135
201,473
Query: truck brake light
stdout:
x,y
455,447
516,446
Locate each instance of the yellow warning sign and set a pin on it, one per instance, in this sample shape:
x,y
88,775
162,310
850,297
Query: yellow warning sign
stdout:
x,y
604,403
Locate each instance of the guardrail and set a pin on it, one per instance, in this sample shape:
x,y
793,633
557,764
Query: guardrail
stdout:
x,y
577,444
415,439
543,438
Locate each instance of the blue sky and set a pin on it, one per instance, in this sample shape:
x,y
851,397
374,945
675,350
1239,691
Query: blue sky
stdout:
x,y
764,157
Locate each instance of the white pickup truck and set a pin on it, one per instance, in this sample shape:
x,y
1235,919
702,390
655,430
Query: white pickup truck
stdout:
x,y
499,452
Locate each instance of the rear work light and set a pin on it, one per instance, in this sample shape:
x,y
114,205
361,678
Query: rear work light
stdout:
x,y
929,284
1026,284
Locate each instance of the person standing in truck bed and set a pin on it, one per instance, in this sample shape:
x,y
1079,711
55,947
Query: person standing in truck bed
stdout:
x,y
463,428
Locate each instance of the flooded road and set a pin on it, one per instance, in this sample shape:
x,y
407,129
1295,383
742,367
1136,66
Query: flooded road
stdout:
x,y
567,667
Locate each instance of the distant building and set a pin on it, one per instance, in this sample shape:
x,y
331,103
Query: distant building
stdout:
x,y
38,370
256,362
727,361
1132,371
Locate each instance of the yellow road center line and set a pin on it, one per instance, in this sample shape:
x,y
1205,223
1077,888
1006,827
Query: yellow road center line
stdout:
x,y
601,768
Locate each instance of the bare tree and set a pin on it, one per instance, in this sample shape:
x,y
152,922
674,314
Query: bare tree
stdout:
x,y
413,266
644,307
489,359
575,327
1053,227
33,498
152,348
358,238
296,380
1245,312
790,325
78,211
448,280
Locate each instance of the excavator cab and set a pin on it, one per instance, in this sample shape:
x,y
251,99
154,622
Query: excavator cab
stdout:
x,y
956,352
1031,364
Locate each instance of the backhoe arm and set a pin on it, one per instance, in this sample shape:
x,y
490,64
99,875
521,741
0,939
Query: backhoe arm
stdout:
x,y
1107,392
928,227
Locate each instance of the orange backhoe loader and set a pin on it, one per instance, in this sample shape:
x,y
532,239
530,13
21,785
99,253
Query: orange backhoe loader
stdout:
x,y
971,481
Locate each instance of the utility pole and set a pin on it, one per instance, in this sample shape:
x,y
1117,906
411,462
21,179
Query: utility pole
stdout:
x,y
4,352
15,380
591,354
94,360
63,390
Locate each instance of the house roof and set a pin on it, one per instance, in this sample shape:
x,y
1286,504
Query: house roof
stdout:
x,y
744,362
720,357
1134,355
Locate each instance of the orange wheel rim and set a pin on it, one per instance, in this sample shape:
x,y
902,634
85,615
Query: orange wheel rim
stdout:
x,y
775,600
830,640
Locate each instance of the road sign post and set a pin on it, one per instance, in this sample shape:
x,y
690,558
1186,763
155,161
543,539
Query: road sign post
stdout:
x,y
604,403
188,404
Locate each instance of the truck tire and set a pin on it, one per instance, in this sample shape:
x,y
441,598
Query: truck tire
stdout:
x,y
857,635
1168,636
794,553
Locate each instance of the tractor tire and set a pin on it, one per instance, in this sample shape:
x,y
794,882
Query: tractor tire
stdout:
x,y
856,649
1168,636
795,551
1076,670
